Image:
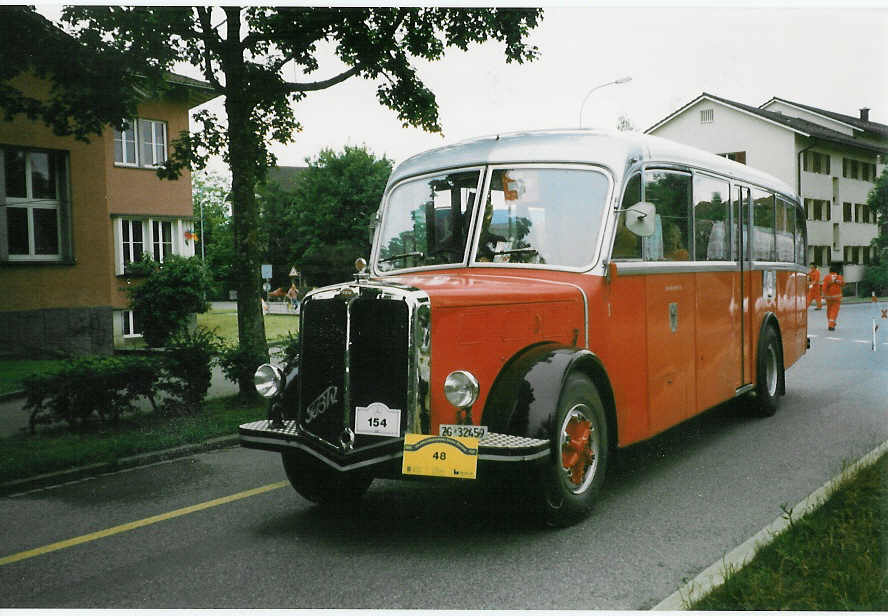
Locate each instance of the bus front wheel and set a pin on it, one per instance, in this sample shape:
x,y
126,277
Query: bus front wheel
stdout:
x,y
573,477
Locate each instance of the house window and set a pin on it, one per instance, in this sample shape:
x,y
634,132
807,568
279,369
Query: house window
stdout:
x,y
125,145
707,116
132,324
816,162
142,143
132,242
846,212
817,209
153,238
858,212
33,195
739,157
162,239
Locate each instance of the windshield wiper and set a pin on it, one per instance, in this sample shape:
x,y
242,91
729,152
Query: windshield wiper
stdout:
x,y
401,256
515,251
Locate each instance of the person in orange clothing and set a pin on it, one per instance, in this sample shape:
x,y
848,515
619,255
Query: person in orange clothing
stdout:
x,y
832,292
814,287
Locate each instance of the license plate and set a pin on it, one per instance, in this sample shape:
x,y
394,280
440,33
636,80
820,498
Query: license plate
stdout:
x,y
478,432
440,456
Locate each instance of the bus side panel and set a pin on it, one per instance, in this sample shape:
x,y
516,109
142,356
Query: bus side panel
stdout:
x,y
671,318
717,338
793,320
624,358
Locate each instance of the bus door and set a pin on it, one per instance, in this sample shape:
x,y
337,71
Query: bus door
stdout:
x,y
670,298
740,215
718,300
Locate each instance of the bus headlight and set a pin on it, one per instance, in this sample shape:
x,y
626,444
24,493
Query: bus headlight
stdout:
x,y
268,380
461,389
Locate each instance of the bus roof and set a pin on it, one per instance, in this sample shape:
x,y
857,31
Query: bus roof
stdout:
x,y
613,149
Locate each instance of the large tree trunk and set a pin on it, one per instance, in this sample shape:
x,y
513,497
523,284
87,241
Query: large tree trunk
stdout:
x,y
243,148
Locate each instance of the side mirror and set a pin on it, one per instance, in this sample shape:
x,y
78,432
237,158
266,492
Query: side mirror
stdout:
x,y
640,218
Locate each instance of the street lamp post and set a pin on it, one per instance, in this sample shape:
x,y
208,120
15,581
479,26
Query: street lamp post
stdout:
x,y
598,87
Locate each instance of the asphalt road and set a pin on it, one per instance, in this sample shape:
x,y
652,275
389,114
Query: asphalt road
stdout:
x,y
670,508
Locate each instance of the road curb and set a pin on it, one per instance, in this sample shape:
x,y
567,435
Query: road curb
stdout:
x,y
91,470
713,576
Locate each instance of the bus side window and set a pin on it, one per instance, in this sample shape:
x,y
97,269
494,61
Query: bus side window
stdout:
x,y
785,231
670,192
627,245
711,198
801,236
763,248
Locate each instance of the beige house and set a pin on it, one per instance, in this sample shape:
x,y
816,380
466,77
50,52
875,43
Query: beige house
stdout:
x,y
73,214
831,159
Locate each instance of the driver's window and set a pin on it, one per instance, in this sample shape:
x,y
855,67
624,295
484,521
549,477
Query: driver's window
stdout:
x,y
627,245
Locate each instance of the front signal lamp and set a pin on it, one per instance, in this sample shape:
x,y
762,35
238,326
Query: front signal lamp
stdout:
x,y
268,380
461,389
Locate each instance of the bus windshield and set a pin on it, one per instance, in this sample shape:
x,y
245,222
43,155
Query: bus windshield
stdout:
x,y
531,215
427,221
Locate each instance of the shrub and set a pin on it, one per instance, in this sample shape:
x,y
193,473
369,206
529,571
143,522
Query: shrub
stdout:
x,y
236,360
188,366
171,291
101,385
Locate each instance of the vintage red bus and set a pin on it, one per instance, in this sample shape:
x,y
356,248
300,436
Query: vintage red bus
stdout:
x,y
539,299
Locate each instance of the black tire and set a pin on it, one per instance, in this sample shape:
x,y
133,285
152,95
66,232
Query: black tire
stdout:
x,y
317,482
575,473
769,374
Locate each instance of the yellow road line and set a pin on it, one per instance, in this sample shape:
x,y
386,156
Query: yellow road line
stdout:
x,y
61,545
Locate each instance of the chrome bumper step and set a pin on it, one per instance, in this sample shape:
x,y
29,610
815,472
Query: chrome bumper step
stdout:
x,y
494,447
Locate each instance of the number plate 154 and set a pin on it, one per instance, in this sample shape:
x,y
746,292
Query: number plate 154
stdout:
x,y
440,456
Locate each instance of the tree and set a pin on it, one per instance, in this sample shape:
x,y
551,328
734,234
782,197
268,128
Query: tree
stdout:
x,y
215,245
242,54
333,205
876,275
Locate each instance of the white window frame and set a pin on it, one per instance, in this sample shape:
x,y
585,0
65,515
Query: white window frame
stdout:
x,y
127,135
153,134
157,242
150,134
129,323
178,245
30,204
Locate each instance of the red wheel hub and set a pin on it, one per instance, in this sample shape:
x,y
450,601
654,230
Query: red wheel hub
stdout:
x,y
576,450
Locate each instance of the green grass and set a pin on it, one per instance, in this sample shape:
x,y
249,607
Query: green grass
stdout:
x,y
57,449
225,324
834,559
12,371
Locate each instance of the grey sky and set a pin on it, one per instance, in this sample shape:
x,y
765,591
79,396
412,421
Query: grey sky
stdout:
x,y
834,58
827,57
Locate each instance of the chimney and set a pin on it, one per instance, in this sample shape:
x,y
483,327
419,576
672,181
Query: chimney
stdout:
x,y
864,114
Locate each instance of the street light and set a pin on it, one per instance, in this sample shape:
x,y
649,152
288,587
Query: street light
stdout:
x,y
598,87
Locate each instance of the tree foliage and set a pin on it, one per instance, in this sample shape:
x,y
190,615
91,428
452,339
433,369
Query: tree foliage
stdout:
x,y
876,275
332,207
215,245
244,53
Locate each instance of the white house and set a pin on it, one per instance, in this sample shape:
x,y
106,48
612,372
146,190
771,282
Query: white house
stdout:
x,y
830,158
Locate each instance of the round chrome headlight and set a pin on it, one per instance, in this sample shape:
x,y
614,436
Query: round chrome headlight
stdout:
x,y
268,380
461,388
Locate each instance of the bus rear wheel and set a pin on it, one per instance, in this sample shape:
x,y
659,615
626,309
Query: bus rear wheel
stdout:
x,y
317,482
769,374
574,476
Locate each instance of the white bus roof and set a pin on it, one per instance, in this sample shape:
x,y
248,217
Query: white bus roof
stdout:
x,y
613,149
